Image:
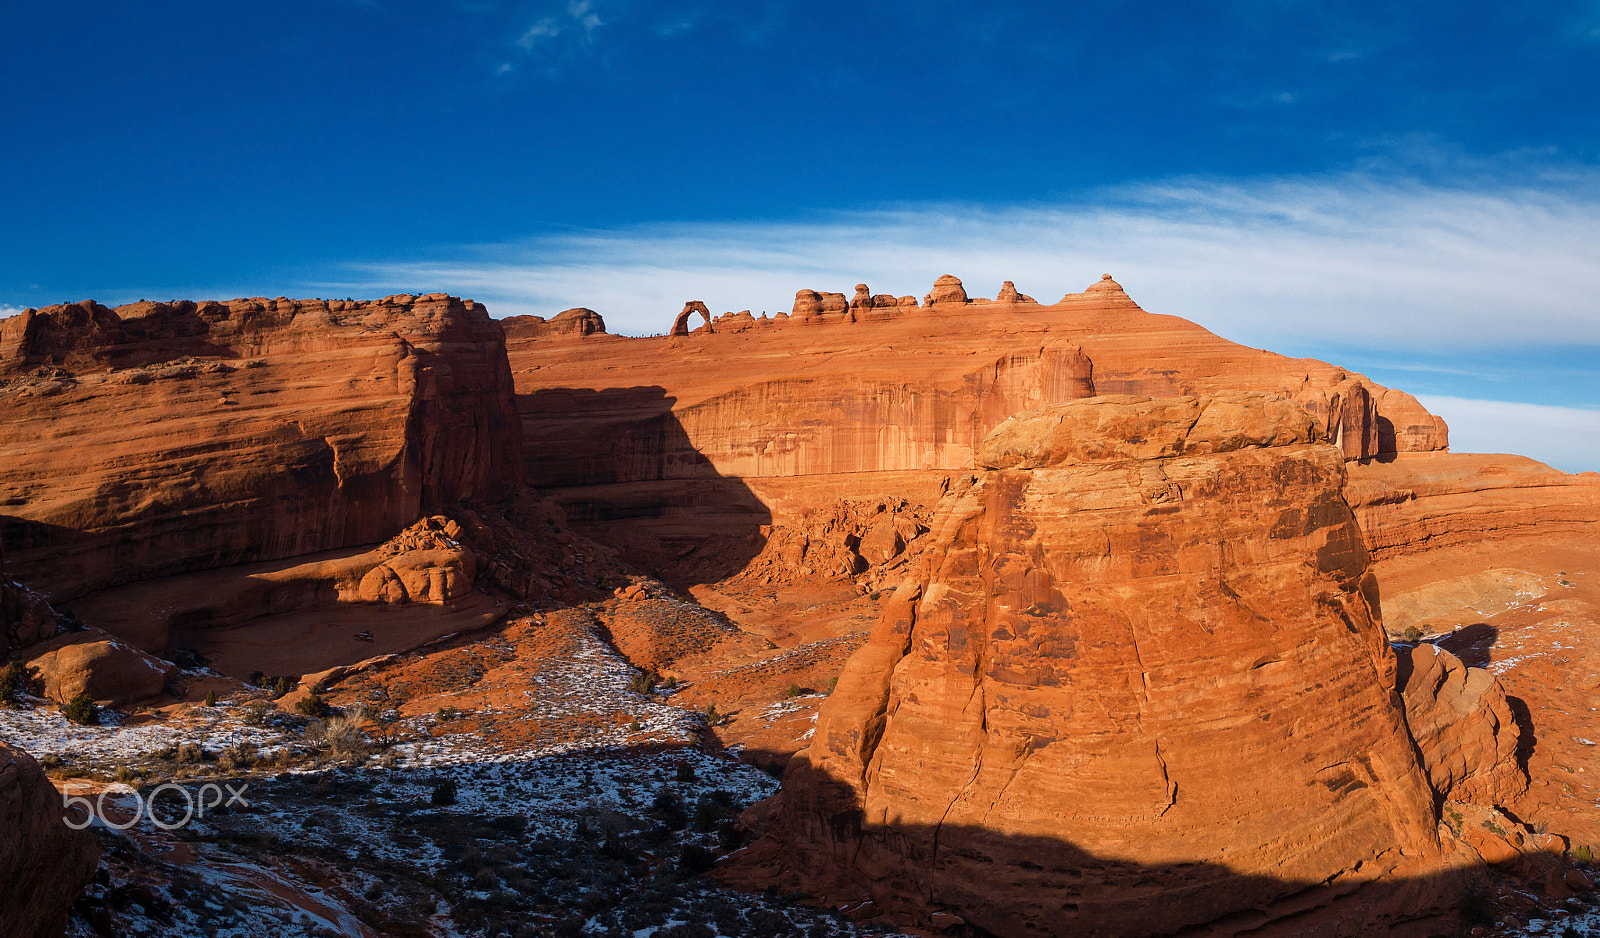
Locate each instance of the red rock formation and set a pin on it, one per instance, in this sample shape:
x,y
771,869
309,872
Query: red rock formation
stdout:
x,y
1463,726
947,291
1008,294
1139,688
579,321
26,618
1429,501
94,663
869,409
680,326
44,864
242,431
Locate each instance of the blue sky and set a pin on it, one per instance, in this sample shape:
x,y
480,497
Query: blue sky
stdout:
x,y
1410,189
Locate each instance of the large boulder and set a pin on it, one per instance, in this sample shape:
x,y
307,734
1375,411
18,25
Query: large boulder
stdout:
x,y
111,672
44,864
1463,726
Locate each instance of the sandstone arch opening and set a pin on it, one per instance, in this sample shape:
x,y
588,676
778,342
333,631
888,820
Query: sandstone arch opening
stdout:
x,y
680,326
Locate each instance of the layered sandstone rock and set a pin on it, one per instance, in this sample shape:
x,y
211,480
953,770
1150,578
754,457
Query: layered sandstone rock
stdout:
x,y
1139,686
1463,726
680,325
1425,502
44,864
159,438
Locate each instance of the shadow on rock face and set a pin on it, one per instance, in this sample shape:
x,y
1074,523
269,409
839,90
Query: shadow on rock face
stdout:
x,y
975,881
622,467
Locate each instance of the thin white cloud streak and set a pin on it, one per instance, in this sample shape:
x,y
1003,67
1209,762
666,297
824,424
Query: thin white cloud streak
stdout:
x,y
1567,438
1351,261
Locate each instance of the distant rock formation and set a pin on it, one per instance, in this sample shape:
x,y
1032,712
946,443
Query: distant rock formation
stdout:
x,y
947,291
680,326
44,864
578,321
111,672
26,618
1008,294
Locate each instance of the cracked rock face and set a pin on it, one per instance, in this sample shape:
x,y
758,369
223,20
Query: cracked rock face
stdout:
x,y
1138,685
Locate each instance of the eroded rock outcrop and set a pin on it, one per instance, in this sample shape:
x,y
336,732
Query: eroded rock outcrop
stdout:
x,y
244,431
26,618
1138,687
1463,726
947,291
1008,294
579,321
44,864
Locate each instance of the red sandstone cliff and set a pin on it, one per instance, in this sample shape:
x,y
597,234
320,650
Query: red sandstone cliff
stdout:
x,y
158,438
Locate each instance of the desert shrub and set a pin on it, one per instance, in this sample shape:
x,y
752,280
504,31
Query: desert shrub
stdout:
x,y
211,698
343,736
235,757
312,705
669,683
446,714
14,682
1412,634
255,715
833,683
644,682
444,793
190,660
696,859
795,690
81,710
1583,854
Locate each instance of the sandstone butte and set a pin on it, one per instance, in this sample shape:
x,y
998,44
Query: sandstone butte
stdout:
x,y
1129,672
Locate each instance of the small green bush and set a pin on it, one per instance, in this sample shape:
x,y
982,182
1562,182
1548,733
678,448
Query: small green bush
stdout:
x,y
81,710
313,706
211,698
1412,634
1583,854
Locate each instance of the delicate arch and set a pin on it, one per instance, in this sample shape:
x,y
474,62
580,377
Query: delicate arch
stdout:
x,y
680,326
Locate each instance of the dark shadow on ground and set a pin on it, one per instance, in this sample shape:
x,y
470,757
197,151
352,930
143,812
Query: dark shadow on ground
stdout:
x,y
1474,644
622,467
